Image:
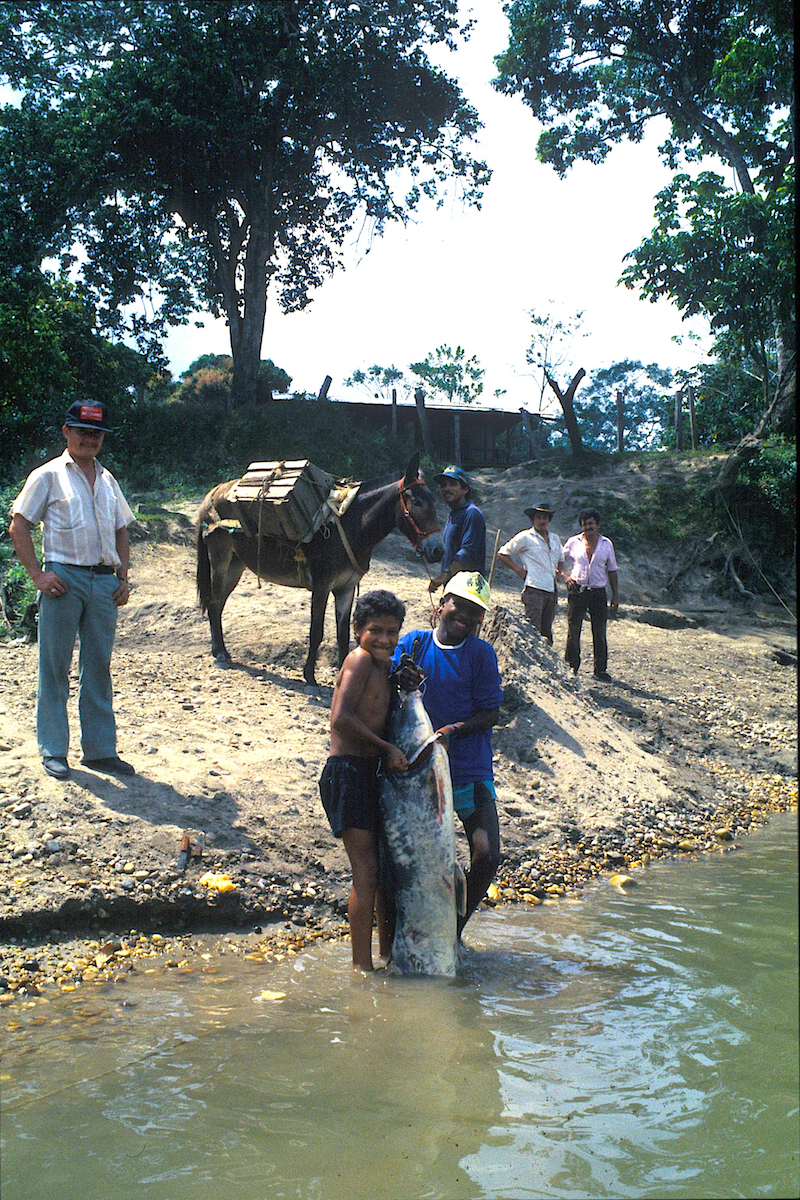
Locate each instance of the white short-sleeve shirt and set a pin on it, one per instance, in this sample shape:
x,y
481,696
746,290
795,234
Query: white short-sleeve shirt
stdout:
x,y
538,559
79,523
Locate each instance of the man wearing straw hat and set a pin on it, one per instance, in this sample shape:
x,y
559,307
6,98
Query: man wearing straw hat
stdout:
x,y
464,534
536,555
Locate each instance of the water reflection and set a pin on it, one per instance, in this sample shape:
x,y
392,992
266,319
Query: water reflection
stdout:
x,y
637,1045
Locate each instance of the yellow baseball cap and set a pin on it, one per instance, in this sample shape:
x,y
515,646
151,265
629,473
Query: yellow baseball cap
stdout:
x,y
469,585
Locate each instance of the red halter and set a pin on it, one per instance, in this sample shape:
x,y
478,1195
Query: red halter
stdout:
x,y
420,534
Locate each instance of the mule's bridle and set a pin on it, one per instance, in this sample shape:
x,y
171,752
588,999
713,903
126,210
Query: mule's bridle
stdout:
x,y
419,534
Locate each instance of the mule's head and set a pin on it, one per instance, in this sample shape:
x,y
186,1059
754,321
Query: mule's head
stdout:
x,y
417,514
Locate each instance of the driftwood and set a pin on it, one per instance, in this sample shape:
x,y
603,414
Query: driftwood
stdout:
x,y
700,549
730,569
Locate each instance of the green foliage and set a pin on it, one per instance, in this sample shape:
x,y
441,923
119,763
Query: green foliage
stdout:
x,y
201,153
595,74
667,514
728,398
18,591
773,476
50,355
725,256
271,379
451,374
377,381
197,443
209,380
645,404
721,71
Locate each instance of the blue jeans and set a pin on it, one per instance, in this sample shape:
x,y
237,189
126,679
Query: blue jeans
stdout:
x,y
88,612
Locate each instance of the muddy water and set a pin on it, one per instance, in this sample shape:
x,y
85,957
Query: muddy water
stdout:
x,y
636,1045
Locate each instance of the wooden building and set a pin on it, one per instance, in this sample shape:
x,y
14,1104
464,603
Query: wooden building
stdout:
x,y
485,432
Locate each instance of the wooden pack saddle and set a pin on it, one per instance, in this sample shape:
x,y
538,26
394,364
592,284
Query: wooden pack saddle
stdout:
x,y
288,500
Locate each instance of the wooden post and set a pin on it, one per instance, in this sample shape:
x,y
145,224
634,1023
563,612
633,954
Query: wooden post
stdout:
x,y
419,400
620,421
394,412
494,557
457,437
692,421
323,391
678,416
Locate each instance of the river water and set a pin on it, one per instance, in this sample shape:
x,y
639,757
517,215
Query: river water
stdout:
x,y
642,1044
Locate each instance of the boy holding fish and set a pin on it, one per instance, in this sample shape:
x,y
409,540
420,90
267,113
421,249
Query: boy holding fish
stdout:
x,y
350,781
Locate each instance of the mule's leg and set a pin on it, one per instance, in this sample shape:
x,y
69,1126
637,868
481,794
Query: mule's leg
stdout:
x,y
344,606
319,603
226,571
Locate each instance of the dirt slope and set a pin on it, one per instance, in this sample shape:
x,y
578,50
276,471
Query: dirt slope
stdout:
x,y
696,735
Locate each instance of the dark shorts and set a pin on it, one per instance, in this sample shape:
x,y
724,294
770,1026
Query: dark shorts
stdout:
x,y
349,787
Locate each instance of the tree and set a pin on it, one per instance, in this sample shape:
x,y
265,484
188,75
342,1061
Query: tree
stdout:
x,y
377,382
550,349
451,374
209,380
645,403
201,153
50,355
721,72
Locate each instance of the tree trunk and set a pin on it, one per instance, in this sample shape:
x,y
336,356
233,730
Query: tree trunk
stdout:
x,y
565,399
419,398
457,438
244,385
752,443
394,412
620,421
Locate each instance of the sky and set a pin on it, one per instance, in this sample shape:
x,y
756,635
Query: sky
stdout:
x,y
458,276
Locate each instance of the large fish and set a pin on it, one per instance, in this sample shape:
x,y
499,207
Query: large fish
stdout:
x,y
419,834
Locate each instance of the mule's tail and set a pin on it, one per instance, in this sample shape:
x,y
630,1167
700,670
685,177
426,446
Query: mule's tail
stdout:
x,y
203,575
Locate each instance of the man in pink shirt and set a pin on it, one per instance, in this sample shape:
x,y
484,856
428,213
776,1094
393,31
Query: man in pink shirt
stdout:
x,y
594,566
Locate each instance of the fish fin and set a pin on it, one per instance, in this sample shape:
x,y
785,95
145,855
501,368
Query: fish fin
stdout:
x,y
460,881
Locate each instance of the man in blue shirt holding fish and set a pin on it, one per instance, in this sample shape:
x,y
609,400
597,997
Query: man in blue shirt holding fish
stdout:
x,y
462,694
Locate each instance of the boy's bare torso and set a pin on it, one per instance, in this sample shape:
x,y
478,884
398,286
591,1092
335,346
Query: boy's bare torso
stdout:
x,y
370,683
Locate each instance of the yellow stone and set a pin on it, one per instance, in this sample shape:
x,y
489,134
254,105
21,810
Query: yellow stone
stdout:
x,y
493,892
622,881
529,898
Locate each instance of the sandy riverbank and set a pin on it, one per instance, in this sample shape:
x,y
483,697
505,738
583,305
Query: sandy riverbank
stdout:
x,y
693,744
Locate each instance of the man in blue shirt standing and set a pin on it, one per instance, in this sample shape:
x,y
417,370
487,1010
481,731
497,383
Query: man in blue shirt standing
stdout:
x,y
462,696
464,534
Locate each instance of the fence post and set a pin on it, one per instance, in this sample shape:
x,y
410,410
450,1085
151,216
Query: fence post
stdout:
x,y
678,416
692,421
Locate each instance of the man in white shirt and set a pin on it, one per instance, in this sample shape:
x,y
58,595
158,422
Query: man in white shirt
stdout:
x,y
594,566
82,582
536,556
